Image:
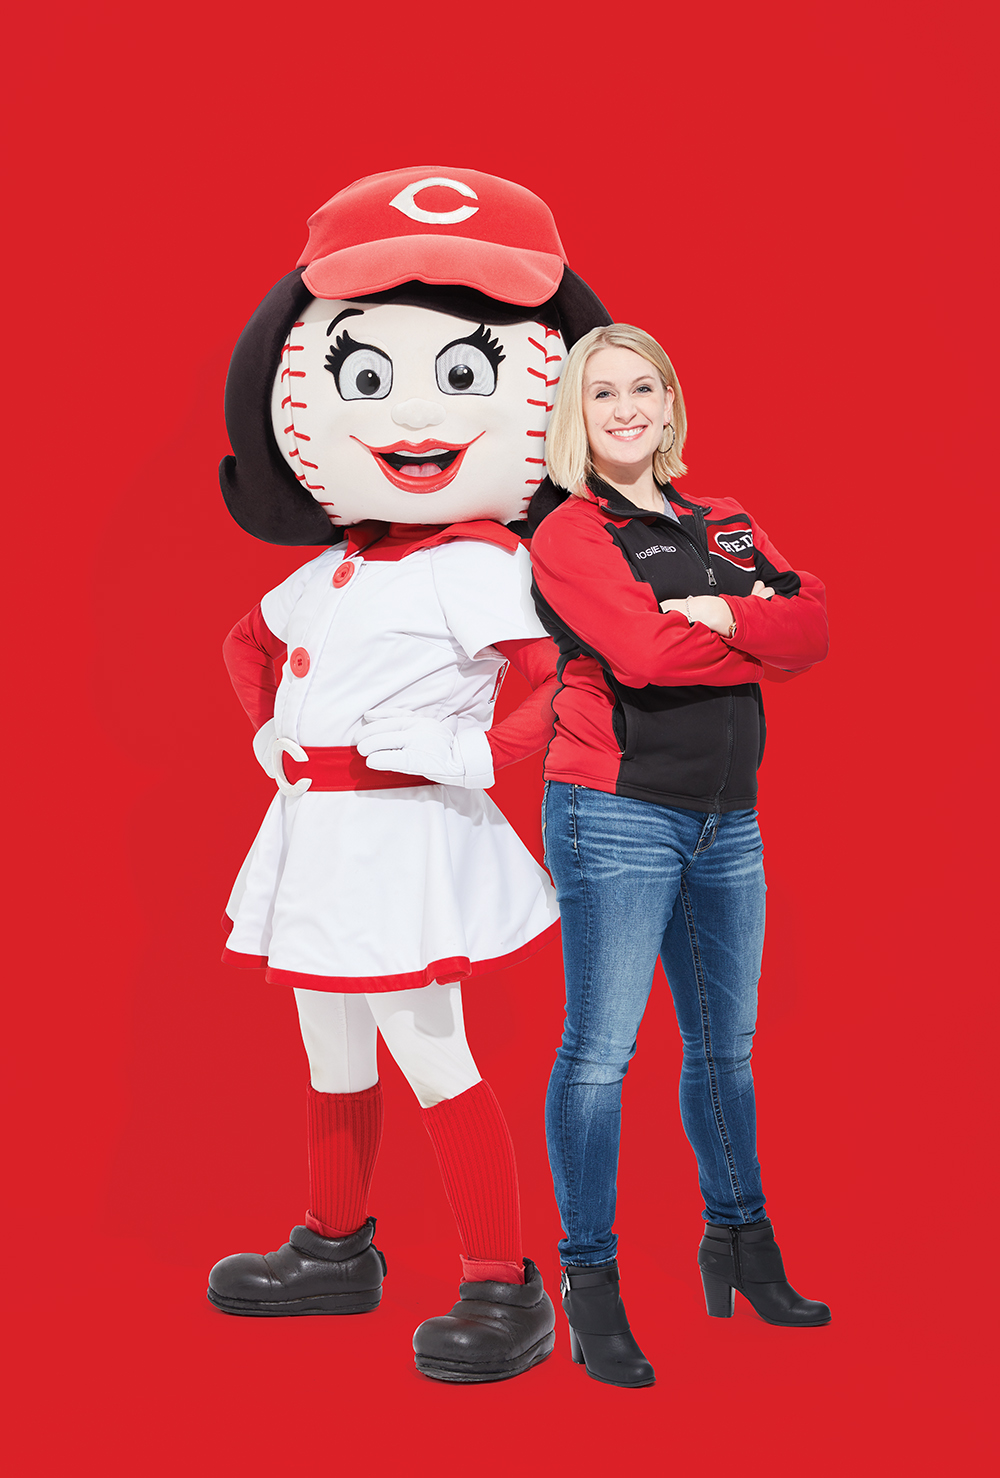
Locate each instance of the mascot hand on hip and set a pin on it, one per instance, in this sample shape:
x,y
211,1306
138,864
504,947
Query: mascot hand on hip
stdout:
x,y
388,400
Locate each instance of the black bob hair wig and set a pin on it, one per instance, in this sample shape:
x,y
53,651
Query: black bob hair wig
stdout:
x,y
261,490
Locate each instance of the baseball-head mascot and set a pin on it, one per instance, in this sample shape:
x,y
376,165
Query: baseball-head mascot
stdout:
x,y
389,400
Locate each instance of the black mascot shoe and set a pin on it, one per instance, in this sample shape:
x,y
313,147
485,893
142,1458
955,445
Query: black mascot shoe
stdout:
x,y
599,1335
748,1259
496,1330
309,1275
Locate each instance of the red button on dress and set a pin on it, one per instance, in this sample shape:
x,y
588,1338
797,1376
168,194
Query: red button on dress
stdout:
x,y
342,574
299,662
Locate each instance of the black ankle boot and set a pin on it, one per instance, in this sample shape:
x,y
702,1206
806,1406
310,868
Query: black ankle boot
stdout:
x,y
496,1330
599,1336
310,1274
748,1259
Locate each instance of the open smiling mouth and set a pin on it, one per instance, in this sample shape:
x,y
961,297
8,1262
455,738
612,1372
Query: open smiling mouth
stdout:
x,y
419,467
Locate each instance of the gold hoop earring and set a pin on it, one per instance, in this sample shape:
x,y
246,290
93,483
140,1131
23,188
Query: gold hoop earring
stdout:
x,y
673,437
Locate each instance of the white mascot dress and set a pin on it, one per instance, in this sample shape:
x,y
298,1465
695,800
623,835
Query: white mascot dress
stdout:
x,y
389,400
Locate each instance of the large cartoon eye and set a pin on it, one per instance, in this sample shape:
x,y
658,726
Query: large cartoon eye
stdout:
x,y
469,366
361,371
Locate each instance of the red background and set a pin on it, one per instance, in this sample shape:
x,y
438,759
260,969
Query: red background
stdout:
x,y
793,197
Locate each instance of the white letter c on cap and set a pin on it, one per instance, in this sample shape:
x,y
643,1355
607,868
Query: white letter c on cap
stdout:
x,y
405,202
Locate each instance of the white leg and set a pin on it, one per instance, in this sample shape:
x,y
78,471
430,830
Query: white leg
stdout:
x,y
425,1032
341,1040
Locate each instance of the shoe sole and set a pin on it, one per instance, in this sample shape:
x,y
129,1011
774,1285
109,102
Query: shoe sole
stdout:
x,y
462,1373
778,1323
632,1385
797,1324
291,1308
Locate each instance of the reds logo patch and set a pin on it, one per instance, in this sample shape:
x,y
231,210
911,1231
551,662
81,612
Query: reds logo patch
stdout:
x,y
406,202
736,545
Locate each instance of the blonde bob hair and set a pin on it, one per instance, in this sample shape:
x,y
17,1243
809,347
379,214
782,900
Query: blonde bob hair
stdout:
x,y
567,451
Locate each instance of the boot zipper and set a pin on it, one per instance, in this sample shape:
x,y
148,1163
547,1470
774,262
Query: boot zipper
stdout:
x,y
736,1256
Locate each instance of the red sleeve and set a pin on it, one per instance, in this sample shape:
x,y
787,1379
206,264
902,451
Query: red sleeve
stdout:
x,y
788,632
530,727
583,576
253,657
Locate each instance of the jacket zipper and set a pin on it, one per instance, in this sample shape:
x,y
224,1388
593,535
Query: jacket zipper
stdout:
x,y
703,559
699,519
729,754
700,544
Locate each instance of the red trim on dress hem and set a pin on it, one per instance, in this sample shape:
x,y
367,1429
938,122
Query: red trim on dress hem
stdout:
x,y
233,957
446,972
244,962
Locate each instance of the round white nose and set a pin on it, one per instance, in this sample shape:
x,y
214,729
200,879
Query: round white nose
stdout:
x,y
417,414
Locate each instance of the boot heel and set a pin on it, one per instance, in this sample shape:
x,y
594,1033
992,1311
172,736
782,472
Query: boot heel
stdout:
x,y
720,1296
575,1348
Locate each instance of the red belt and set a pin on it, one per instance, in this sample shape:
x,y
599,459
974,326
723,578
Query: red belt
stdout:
x,y
340,767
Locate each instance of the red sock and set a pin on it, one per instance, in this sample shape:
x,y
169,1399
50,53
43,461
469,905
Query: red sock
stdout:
x,y
476,1158
345,1130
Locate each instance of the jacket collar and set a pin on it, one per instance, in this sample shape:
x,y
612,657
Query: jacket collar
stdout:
x,y
548,498
616,503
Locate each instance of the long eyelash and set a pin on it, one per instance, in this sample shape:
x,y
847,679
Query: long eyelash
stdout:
x,y
487,342
343,346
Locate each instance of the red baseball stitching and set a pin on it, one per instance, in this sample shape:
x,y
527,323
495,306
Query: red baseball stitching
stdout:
x,y
549,358
549,333
299,405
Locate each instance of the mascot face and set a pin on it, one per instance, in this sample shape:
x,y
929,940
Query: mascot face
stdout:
x,y
398,413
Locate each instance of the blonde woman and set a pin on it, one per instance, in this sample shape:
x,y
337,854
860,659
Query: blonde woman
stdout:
x,y
668,613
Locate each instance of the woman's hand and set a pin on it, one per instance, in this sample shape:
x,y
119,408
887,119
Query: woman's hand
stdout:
x,y
711,610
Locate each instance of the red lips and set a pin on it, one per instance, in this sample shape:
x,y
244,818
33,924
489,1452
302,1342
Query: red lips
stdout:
x,y
413,454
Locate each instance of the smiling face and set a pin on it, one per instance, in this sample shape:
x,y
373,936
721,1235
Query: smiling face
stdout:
x,y
625,410
399,413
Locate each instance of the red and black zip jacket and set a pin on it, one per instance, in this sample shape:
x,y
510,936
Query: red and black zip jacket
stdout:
x,y
650,707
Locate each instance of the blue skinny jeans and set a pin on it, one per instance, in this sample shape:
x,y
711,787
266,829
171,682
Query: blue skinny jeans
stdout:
x,y
636,880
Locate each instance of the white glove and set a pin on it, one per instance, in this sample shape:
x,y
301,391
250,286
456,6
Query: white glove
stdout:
x,y
395,739
269,748
262,742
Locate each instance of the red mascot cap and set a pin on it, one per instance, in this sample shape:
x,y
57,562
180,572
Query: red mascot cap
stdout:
x,y
438,225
